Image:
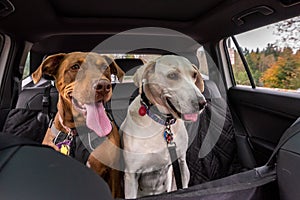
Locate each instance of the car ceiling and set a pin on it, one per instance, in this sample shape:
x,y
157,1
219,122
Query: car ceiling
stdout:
x,y
47,22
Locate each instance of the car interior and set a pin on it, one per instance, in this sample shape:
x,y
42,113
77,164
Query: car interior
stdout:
x,y
242,129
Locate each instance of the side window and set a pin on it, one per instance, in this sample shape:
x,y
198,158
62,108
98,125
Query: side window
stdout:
x,y
238,68
1,49
203,65
5,44
272,54
26,71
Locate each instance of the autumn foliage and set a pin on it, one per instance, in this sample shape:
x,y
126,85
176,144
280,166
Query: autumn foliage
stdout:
x,y
271,67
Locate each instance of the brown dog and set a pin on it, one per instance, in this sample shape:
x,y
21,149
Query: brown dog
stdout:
x,y
83,81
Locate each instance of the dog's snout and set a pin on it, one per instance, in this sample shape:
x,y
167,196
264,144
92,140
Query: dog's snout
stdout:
x,y
102,86
200,103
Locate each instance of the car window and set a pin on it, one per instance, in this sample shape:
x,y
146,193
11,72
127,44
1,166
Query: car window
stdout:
x,y
272,53
203,64
26,71
5,44
201,58
1,48
128,78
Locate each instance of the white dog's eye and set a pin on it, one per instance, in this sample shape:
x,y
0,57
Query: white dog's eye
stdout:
x,y
173,76
75,67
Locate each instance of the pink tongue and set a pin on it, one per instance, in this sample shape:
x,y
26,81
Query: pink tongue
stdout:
x,y
97,120
191,117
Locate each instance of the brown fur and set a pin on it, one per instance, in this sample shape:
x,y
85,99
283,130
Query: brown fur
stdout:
x,y
71,83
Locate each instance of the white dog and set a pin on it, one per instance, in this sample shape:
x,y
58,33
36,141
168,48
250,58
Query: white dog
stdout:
x,y
170,93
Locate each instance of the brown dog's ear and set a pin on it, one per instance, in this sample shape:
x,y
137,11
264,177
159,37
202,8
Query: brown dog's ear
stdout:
x,y
199,80
114,68
48,66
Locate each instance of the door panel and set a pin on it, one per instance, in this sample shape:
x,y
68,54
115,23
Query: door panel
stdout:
x,y
265,115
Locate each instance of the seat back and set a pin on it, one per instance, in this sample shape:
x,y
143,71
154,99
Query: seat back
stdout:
x,y
35,107
212,152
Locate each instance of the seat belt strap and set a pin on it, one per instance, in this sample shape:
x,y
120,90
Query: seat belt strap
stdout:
x,y
243,144
175,164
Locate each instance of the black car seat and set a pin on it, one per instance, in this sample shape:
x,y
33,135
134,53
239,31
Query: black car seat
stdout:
x,y
287,158
29,170
35,107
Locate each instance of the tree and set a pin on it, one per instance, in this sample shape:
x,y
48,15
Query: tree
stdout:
x,y
285,72
289,32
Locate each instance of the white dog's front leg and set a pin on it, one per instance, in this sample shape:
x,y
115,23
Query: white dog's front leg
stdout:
x,y
170,181
131,185
185,173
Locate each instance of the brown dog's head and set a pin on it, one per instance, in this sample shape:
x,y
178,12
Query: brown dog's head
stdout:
x,y
174,85
83,81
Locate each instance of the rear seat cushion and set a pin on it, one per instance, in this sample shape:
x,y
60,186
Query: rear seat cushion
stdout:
x,y
212,147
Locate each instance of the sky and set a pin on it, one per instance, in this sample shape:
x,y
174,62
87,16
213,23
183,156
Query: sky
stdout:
x,y
257,38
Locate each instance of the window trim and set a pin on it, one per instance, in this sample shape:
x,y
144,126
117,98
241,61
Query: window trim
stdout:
x,y
246,66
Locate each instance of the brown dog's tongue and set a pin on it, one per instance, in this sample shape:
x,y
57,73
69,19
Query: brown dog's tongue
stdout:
x,y
97,120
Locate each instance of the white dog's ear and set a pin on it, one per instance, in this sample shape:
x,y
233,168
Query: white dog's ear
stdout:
x,y
140,73
199,80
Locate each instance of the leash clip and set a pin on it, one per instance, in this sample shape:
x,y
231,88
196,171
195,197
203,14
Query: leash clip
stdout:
x,y
168,135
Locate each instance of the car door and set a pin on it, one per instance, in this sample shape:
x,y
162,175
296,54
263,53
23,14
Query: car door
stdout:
x,y
263,88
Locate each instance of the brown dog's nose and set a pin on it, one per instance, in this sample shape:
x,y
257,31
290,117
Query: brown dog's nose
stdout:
x,y
102,86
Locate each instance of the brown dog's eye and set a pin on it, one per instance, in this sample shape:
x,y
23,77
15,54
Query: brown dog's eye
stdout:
x,y
75,67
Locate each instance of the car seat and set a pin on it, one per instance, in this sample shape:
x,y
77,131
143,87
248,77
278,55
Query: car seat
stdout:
x,y
29,170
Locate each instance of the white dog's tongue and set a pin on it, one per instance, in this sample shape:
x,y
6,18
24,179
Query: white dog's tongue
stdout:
x,y
97,120
191,117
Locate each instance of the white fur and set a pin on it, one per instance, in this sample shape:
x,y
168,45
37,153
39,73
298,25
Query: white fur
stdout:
x,y
145,150
148,167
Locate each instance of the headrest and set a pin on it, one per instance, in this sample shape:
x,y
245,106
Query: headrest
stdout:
x,y
211,90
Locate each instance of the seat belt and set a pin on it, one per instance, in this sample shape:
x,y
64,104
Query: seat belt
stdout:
x,y
245,153
175,165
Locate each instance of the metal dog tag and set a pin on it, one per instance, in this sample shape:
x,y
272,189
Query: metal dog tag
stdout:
x,y
64,147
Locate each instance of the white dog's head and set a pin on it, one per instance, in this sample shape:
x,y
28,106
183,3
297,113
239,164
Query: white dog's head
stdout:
x,y
174,85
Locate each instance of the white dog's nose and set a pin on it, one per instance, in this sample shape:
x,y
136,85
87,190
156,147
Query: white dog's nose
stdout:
x,y
199,103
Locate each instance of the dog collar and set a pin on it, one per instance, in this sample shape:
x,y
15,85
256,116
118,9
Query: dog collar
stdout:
x,y
148,108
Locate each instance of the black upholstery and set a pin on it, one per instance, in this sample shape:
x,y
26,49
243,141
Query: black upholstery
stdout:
x,y
212,153
32,171
288,163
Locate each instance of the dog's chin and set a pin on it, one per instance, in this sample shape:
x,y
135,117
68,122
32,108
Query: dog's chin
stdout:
x,y
188,117
79,107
